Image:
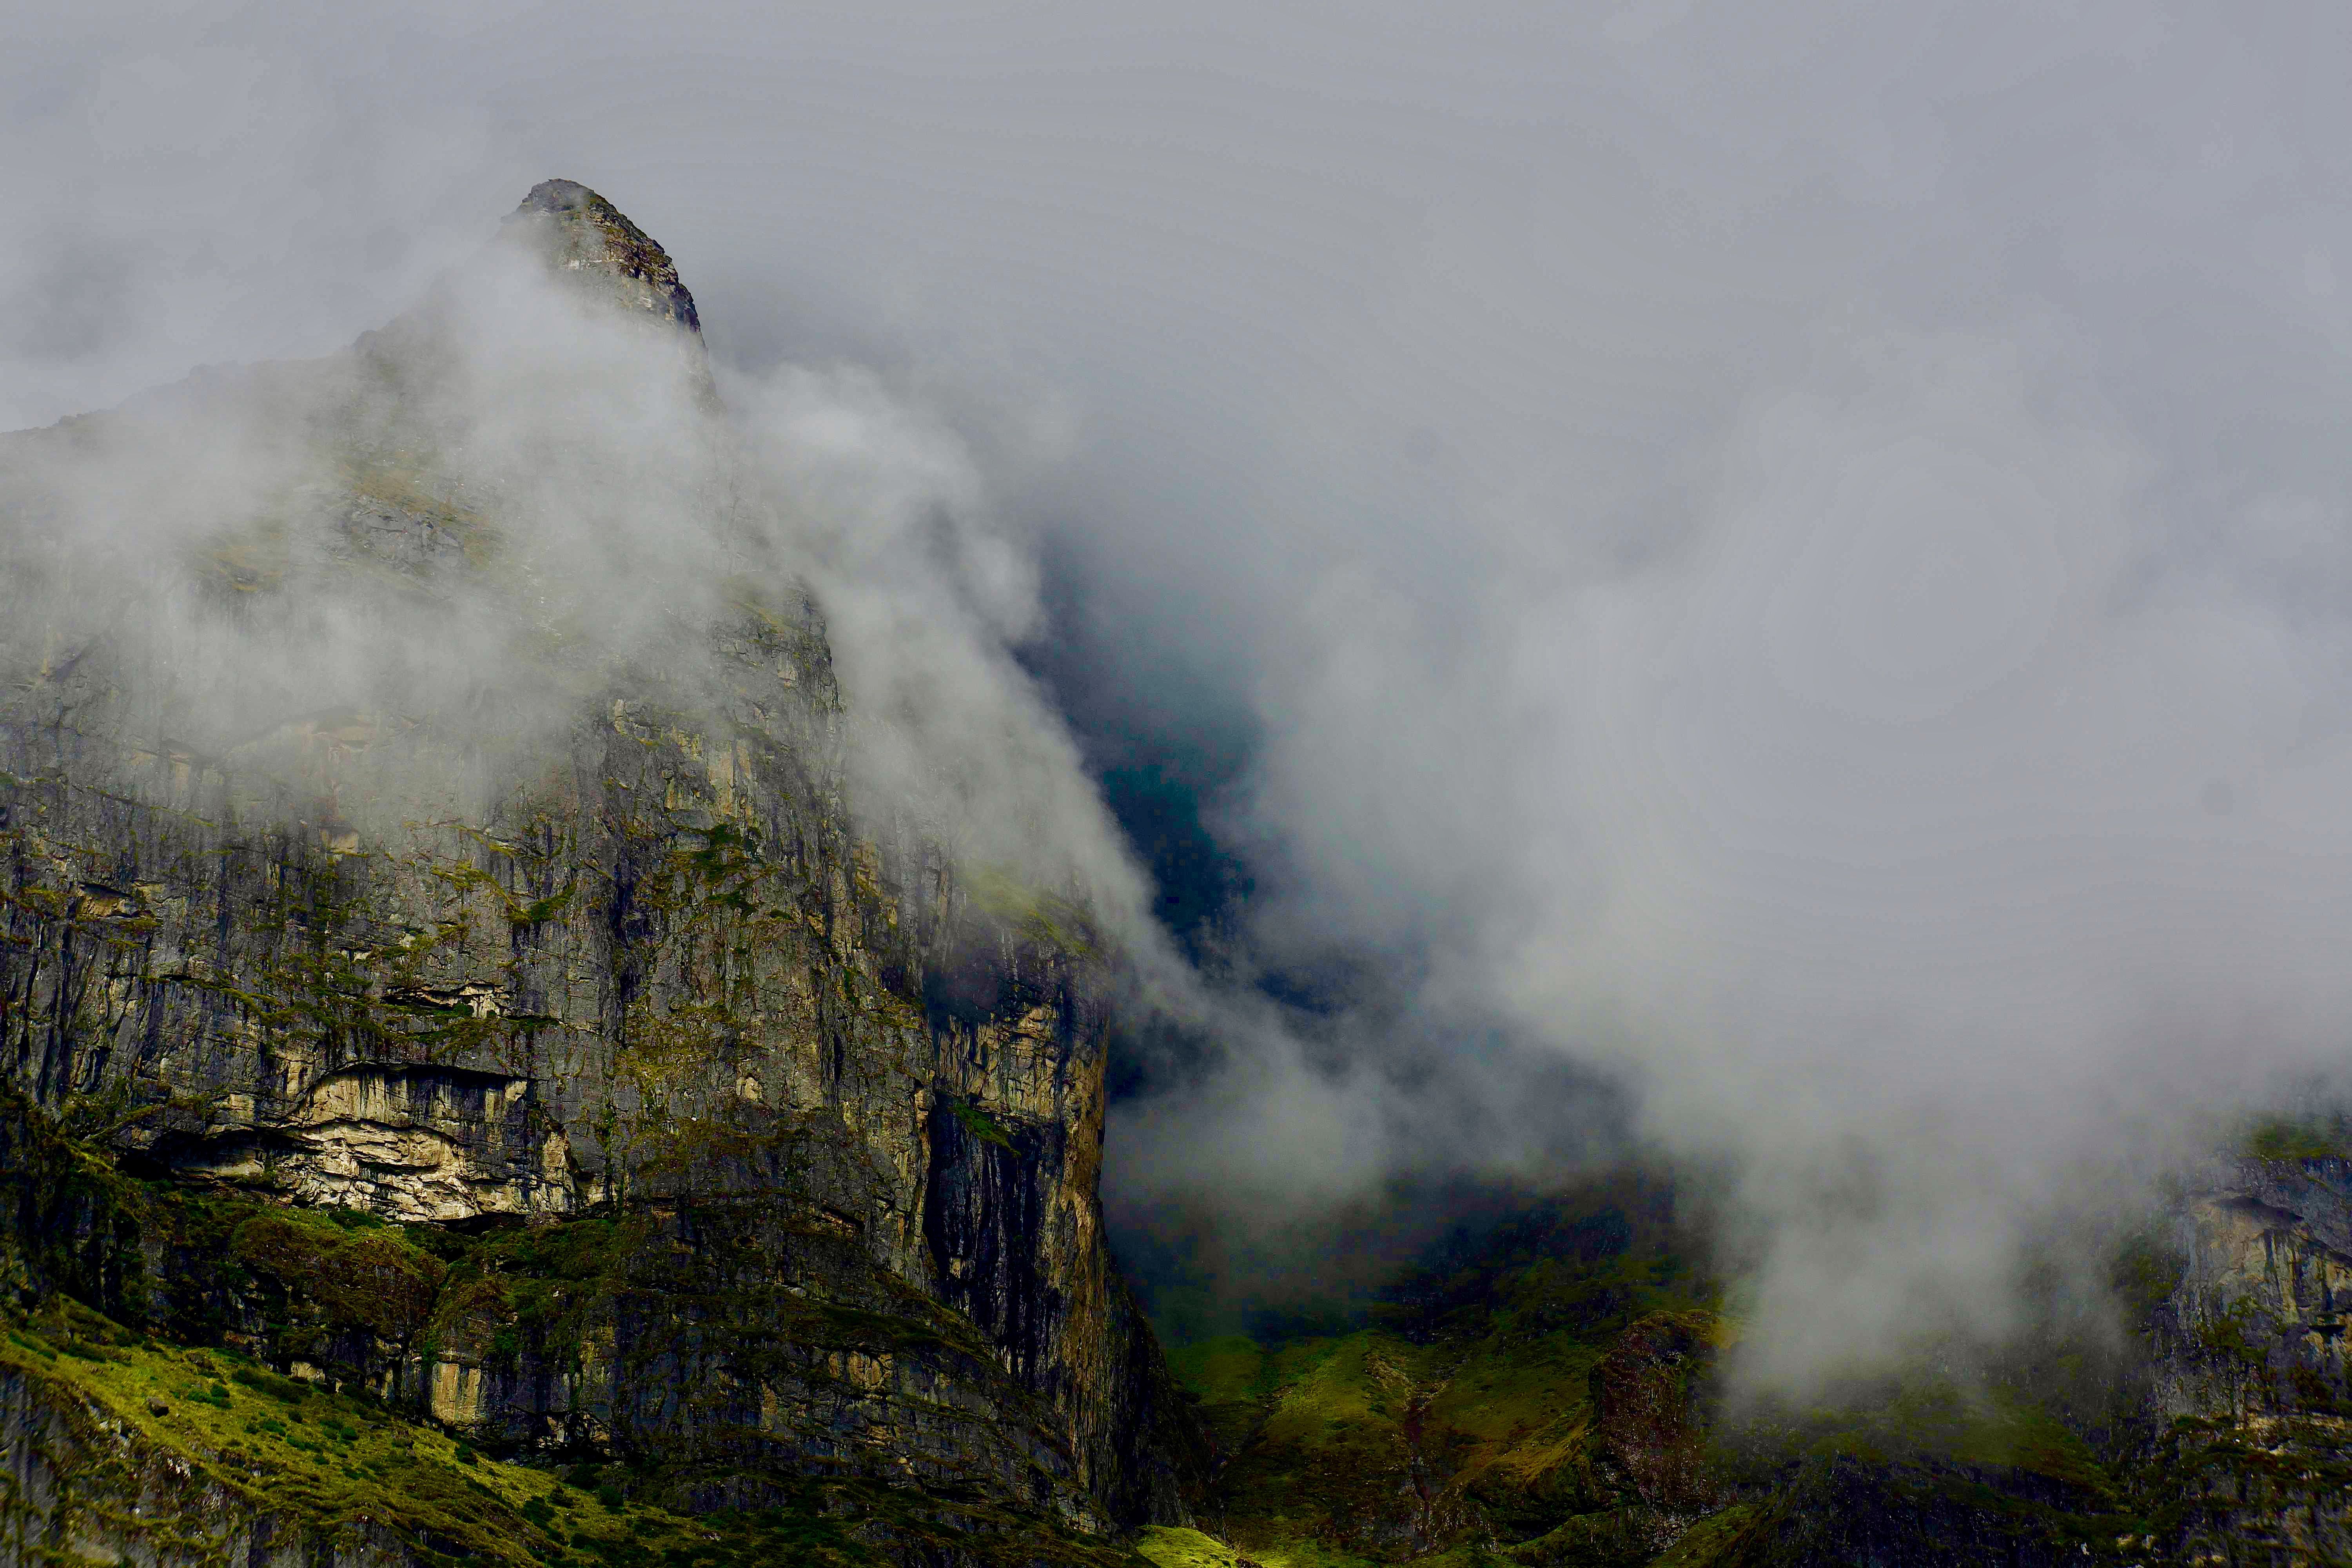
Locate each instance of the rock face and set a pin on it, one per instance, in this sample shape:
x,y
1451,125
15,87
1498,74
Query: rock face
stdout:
x,y
2253,1374
578,232
731,1138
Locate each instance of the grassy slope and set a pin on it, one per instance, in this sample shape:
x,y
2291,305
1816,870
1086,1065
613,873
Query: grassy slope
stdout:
x,y
1466,1420
1476,1425
331,1461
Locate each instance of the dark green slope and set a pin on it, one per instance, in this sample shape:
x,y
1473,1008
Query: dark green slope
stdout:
x,y
1552,1396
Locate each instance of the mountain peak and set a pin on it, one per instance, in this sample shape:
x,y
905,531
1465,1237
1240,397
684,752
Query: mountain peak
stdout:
x,y
576,231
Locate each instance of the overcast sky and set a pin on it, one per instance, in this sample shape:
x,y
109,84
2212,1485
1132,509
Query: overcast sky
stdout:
x,y
1793,554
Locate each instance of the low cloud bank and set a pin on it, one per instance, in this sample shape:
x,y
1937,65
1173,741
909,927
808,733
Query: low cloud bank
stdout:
x,y
1788,570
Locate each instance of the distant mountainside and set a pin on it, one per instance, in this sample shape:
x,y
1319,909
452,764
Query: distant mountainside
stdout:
x,y
472,1091
1546,1395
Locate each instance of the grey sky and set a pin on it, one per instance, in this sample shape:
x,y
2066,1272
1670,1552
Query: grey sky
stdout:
x,y
1798,552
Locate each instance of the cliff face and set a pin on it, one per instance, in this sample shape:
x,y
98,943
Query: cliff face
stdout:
x,y
717,1135
2253,1376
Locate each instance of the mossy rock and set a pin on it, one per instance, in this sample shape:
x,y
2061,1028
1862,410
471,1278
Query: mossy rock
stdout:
x,y
366,1277
1170,1546
2290,1141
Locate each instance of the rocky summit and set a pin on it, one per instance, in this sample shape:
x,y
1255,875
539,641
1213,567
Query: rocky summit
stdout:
x,y
482,1081
578,232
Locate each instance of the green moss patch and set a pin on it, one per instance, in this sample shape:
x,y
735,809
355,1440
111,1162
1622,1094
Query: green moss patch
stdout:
x,y
363,1274
327,1461
2289,1140
1719,1540
1043,919
1165,1546
976,1122
331,1462
1931,1422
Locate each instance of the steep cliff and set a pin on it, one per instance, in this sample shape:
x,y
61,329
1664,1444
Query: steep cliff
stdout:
x,y
2251,1377
677,1119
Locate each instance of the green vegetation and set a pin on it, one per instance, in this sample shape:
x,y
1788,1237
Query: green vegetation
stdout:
x,y
366,1275
336,1462
1934,1430
2147,1269
1468,1413
1044,919
329,1460
1718,1540
1166,1547
976,1122
2286,1140
1542,1396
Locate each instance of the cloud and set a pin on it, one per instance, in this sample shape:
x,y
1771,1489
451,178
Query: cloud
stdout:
x,y
1795,557
386,585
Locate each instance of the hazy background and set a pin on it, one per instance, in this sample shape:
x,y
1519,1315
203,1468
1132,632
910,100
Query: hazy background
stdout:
x,y
1774,580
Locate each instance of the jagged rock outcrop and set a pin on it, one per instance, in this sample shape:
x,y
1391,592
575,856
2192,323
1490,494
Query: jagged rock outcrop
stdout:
x,y
730,1136
581,234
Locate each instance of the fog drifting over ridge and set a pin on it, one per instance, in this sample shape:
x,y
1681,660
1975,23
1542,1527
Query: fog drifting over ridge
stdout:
x,y
1796,557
